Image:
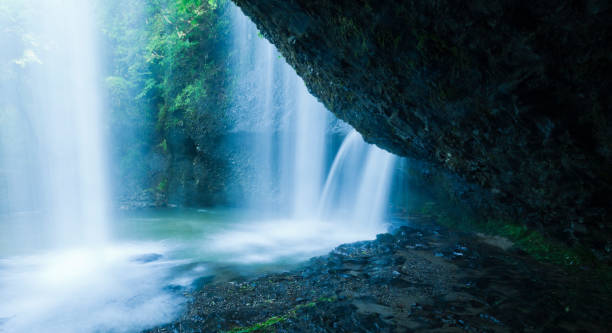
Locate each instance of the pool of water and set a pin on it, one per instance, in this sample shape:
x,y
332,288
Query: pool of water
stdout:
x,y
138,277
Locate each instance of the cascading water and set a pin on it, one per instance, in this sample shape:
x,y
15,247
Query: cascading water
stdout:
x,y
57,265
363,202
63,263
62,123
310,122
70,126
289,124
314,210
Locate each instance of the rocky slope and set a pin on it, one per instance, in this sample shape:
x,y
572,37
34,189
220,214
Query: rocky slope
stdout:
x,y
512,96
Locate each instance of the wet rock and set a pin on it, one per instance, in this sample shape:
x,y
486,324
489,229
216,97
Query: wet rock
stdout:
x,y
512,123
352,290
147,258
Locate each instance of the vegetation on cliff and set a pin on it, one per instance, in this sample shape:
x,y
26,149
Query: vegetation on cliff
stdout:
x,y
166,87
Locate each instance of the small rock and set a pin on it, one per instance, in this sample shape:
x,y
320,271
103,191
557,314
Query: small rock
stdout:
x,y
146,258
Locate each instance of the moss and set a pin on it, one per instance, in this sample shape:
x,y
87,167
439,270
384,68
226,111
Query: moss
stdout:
x,y
327,299
161,119
270,322
577,261
163,146
162,186
536,244
260,326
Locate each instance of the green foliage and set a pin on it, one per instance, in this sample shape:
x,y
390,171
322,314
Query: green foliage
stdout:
x,y
165,73
20,48
190,97
183,51
118,90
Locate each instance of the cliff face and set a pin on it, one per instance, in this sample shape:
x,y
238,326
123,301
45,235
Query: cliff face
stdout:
x,y
510,95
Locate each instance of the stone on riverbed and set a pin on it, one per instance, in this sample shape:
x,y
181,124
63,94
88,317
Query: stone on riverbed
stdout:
x,y
147,258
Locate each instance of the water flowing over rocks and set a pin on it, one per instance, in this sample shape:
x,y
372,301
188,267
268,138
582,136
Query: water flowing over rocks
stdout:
x,y
511,96
414,279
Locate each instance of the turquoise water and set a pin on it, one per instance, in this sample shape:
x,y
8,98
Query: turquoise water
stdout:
x,y
138,278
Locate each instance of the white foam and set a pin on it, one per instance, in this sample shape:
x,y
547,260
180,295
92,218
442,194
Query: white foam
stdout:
x,y
87,290
278,240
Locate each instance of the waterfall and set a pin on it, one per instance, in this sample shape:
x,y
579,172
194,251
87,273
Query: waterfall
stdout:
x,y
293,150
310,125
60,119
362,201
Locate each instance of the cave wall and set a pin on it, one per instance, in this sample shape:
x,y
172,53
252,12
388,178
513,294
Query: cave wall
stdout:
x,y
510,96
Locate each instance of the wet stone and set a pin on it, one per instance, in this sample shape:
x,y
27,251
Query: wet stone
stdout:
x,y
147,258
376,286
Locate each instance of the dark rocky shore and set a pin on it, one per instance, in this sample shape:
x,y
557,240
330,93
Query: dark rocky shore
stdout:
x,y
415,279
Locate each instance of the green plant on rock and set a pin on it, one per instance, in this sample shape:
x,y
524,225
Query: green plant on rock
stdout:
x,y
535,243
260,326
167,71
163,146
270,322
162,186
